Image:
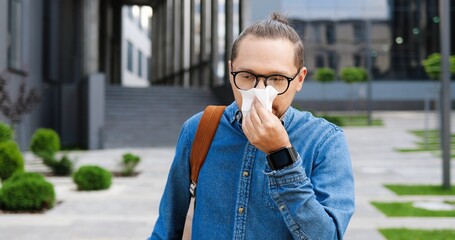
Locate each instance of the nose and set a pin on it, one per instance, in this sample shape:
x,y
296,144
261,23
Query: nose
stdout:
x,y
261,82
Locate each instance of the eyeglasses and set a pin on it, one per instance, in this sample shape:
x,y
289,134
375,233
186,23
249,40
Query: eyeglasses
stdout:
x,y
245,80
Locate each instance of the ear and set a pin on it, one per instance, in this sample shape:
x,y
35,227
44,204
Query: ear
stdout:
x,y
301,78
229,71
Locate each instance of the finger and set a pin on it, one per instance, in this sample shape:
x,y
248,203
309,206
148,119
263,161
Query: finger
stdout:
x,y
262,113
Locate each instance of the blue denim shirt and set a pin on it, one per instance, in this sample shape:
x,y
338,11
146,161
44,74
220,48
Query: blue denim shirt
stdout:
x,y
239,196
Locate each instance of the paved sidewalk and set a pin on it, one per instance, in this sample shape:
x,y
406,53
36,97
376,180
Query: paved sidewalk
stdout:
x,y
129,208
375,163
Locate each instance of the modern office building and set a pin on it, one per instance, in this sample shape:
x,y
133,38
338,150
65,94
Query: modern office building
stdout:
x,y
396,35
82,55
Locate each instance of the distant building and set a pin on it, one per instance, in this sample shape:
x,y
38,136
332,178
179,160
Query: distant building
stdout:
x,y
397,35
136,46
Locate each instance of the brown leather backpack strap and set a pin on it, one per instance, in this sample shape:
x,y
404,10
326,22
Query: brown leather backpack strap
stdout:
x,y
203,139
201,144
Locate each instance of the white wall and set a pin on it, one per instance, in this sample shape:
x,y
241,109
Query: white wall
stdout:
x,y
138,37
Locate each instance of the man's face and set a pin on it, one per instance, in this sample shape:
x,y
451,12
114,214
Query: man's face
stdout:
x,y
265,57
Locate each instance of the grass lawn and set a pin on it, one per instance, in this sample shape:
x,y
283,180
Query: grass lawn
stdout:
x,y
416,234
405,209
419,189
354,120
432,142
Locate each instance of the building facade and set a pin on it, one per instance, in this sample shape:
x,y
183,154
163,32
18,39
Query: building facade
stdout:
x,y
71,51
395,35
136,46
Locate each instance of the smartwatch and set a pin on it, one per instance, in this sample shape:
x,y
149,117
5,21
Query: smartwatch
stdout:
x,y
282,158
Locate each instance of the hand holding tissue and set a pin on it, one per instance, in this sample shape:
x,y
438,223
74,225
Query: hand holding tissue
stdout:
x,y
265,96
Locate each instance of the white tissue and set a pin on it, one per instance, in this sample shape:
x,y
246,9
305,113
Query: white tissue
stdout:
x,y
265,96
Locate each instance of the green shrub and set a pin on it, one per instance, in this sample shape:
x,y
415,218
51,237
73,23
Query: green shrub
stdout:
x,y
25,175
10,159
45,143
129,163
62,167
92,178
354,74
27,193
324,75
432,65
333,119
6,132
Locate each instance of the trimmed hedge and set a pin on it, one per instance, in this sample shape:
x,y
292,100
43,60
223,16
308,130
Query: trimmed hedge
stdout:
x,y
27,192
45,143
6,132
63,167
324,75
129,163
90,177
10,159
432,65
60,167
354,74
25,175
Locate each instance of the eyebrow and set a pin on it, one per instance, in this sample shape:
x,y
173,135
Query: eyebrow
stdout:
x,y
271,73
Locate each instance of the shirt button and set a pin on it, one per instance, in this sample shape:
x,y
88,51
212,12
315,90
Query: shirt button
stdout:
x,y
246,173
282,207
241,210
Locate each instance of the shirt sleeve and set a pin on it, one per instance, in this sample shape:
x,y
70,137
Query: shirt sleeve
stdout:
x,y
175,200
317,206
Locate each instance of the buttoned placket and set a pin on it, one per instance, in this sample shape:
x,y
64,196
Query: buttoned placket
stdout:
x,y
244,191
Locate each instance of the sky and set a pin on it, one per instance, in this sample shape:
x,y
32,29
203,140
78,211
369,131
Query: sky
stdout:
x,y
336,9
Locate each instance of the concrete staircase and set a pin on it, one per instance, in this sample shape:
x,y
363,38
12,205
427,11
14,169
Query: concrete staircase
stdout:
x,y
150,117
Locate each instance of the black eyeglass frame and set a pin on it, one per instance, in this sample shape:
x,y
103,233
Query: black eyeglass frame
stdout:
x,y
257,76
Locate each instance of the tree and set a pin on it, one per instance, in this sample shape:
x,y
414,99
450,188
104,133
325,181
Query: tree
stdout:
x,y
25,102
354,74
432,65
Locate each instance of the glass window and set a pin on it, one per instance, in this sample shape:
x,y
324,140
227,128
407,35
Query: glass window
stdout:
x,y
136,15
15,34
139,63
317,33
357,60
359,32
330,33
149,69
299,27
333,60
130,12
319,61
130,56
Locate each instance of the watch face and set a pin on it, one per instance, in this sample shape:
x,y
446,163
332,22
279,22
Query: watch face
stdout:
x,y
281,158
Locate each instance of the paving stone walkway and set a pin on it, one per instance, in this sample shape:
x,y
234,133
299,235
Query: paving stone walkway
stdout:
x,y
129,208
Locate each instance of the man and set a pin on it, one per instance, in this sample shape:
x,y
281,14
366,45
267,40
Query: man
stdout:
x,y
279,174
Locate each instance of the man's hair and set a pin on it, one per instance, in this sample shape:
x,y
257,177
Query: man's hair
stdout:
x,y
276,28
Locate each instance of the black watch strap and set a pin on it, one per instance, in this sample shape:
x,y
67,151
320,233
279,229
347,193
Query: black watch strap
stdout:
x,y
282,158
